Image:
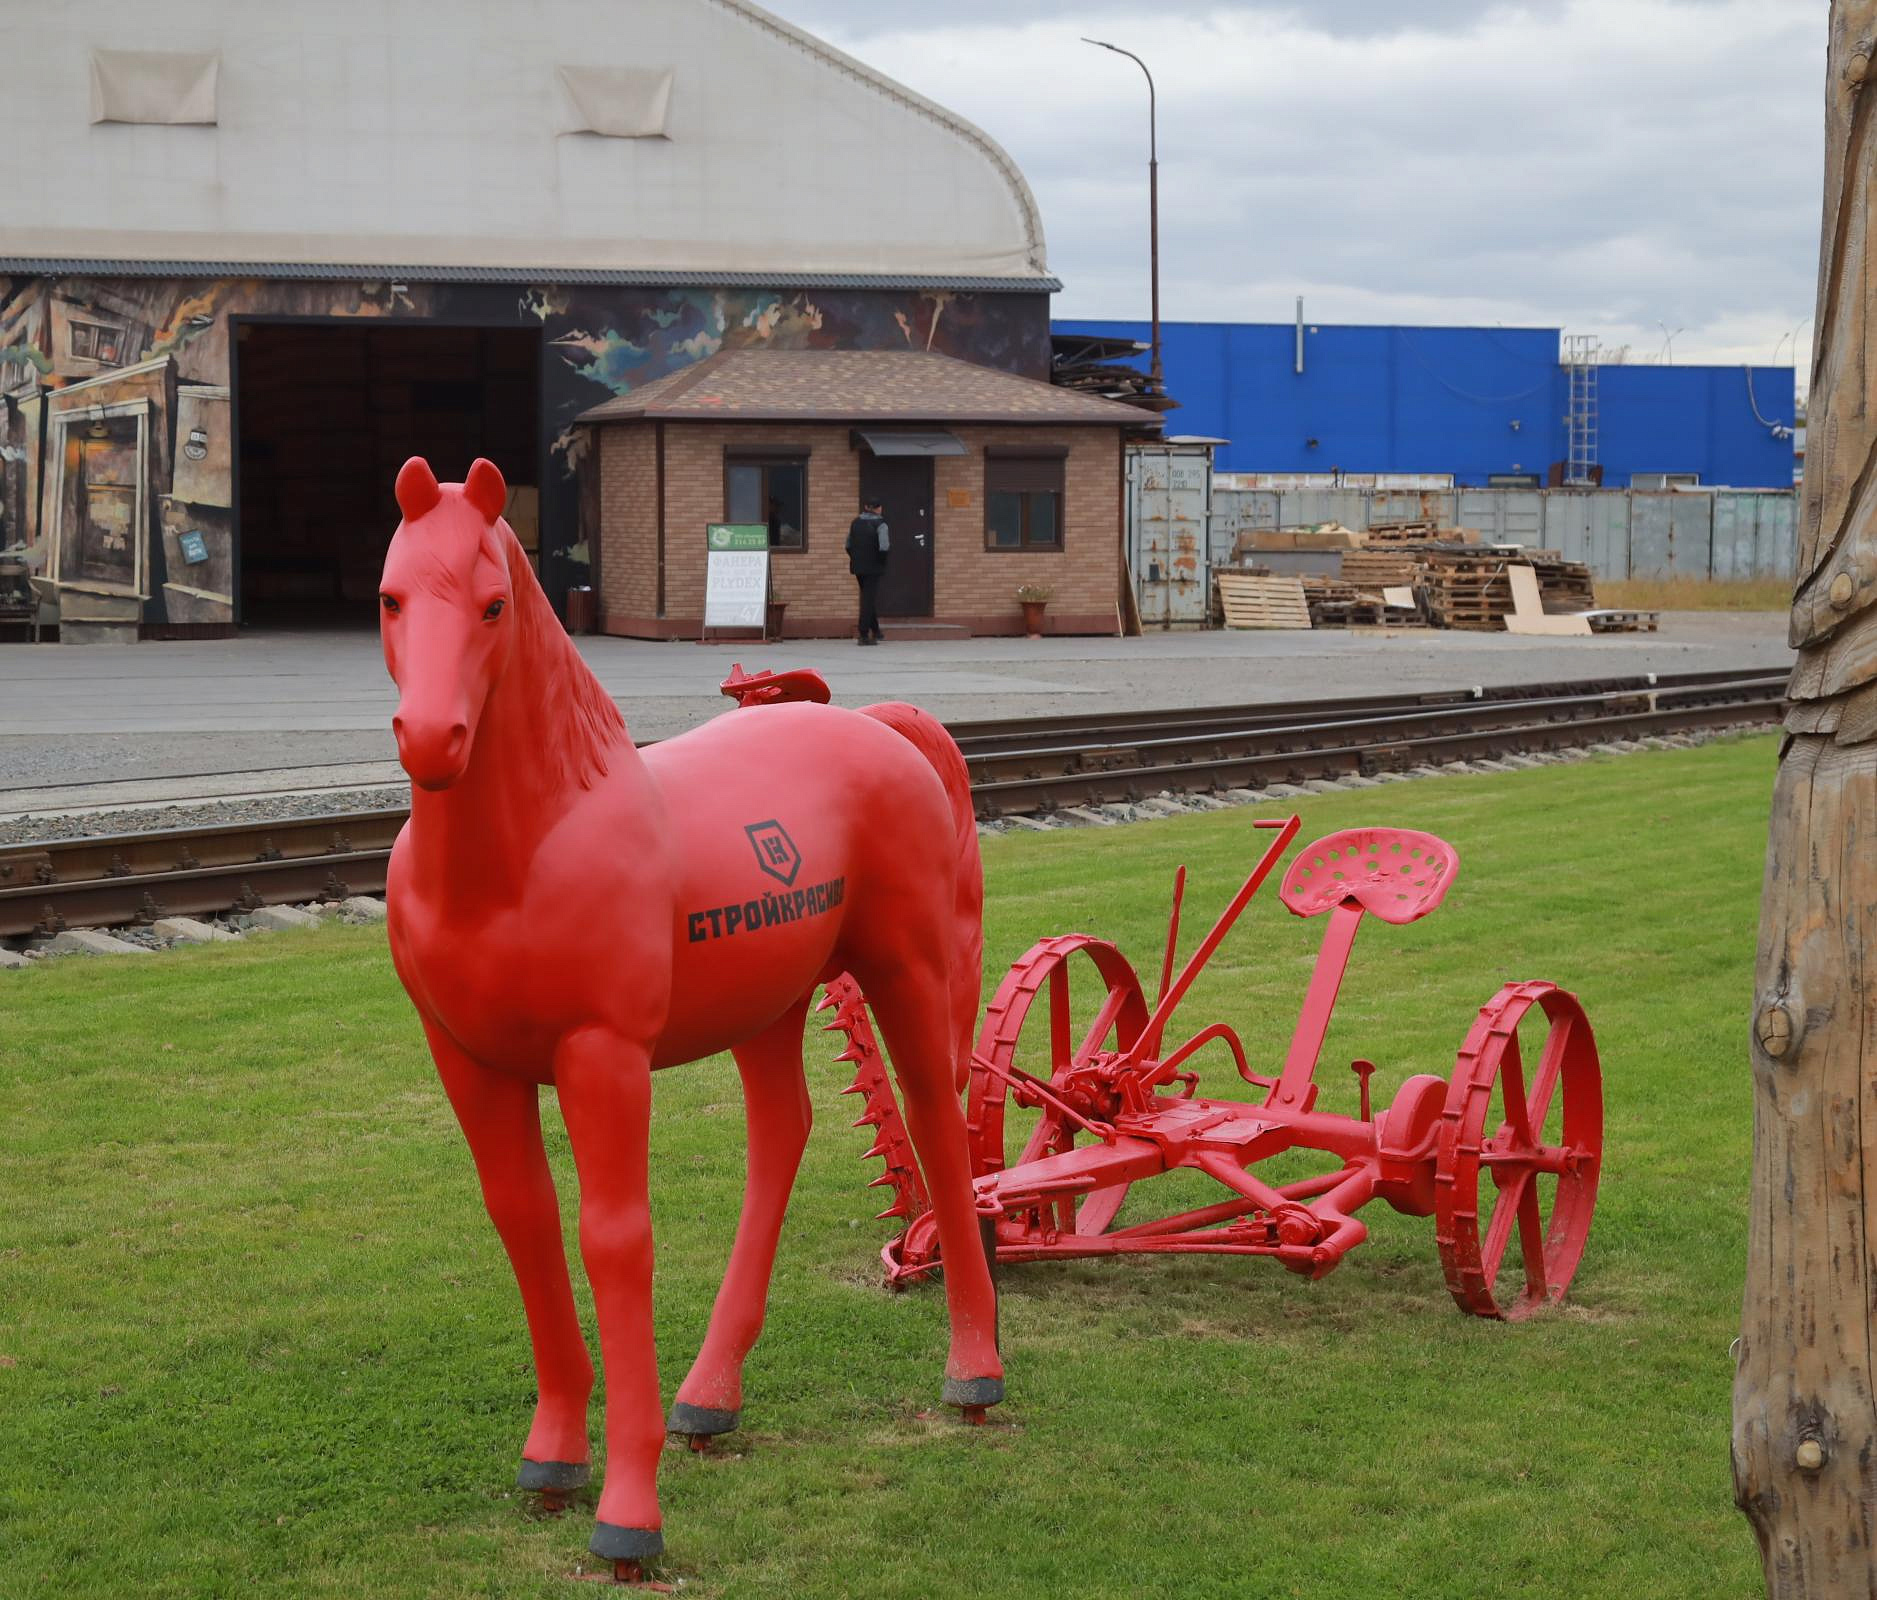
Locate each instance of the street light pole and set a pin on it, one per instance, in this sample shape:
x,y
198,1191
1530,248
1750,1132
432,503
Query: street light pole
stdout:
x,y
1153,202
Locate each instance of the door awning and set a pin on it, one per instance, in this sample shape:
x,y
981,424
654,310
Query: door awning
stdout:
x,y
898,442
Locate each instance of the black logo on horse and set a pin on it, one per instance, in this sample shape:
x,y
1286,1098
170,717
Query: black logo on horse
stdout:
x,y
775,850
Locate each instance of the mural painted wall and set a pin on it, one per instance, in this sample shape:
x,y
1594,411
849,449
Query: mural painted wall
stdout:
x,y
119,400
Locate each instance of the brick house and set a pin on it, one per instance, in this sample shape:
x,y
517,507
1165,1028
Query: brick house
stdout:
x,y
989,481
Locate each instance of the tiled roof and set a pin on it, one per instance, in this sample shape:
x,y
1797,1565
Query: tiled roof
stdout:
x,y
856,386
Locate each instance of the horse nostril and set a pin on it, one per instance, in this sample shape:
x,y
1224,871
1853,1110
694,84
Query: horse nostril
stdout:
x,y
458,733
397,727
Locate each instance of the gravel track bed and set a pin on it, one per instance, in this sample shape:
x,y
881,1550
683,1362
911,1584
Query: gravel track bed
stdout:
x,y
201,814
260,808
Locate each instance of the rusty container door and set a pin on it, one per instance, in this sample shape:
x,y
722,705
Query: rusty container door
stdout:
x,y
1236,513
1169,506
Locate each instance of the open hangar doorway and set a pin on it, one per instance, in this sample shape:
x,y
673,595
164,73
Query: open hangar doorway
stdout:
x,y
327,410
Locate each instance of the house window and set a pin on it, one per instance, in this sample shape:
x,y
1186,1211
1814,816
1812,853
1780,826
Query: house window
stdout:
x,y
93,343
771,488
1023,502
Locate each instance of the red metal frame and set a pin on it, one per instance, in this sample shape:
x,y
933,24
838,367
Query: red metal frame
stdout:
x,y
1482,1152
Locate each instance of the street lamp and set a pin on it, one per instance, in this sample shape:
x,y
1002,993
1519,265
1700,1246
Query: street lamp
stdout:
x,y
1794,337
1153,201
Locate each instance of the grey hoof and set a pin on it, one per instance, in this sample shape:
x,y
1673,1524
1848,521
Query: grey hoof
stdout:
x,y
552,1475
610,1542
973,1392
700,1420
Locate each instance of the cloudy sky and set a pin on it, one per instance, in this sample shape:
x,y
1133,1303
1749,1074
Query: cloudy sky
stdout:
x,y
1628,168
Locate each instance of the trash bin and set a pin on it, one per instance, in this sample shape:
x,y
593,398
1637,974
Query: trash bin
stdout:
x,y
581,611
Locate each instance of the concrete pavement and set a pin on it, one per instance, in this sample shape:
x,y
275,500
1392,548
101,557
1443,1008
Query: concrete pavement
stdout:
x,y
72,717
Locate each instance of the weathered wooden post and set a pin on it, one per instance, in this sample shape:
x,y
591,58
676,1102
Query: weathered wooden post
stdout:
x,y
1805,1426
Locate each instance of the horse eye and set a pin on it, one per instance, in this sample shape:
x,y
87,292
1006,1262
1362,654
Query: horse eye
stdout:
x,y
494,611
388,602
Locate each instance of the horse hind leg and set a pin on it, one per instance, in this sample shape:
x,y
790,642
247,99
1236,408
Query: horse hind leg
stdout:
x,y
776,1109
914,1009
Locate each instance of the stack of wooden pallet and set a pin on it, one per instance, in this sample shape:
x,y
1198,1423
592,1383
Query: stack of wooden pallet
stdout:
x,y
1337,603
1374,570
1421,530
1564,585
1465,588
1251,602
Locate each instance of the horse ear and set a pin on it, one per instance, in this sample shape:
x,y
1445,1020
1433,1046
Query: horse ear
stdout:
x,y
484,488
417,489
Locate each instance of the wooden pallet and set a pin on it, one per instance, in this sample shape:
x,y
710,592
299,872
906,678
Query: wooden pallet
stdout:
x,y
1336,604
1379,569
1465,590
1622,621
1415,531
1215,607
1564,586
1250,602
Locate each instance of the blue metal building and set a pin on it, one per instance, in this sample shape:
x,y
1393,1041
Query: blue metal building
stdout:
x,y
1473,402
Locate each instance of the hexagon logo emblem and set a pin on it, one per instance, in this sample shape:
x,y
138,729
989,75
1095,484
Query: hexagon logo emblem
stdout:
x,y
775,850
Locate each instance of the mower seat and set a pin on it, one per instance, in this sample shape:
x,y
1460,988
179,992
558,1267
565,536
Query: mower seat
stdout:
x,y
1396,873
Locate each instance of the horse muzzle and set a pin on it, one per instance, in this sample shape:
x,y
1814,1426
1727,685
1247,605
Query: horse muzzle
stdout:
x,y
433,752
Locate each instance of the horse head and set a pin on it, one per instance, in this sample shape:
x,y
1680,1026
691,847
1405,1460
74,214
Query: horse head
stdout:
x,y
446,615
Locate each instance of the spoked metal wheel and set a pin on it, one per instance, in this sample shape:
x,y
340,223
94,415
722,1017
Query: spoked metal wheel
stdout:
x,y
1521,1142
1106,1012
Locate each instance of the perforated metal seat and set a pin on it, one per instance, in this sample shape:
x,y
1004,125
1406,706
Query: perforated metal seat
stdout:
x,y
1397,874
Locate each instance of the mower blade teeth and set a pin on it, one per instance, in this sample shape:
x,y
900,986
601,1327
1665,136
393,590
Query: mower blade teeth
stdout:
x,y
881,1111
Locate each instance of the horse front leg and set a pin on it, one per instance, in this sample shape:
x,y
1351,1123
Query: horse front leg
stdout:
x,y
777,1113
605,1085
501,1118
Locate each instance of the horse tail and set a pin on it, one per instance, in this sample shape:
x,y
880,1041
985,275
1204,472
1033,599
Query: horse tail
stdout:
x,y
927,734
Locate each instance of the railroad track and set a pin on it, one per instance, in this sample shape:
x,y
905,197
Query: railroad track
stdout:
x,y
1017,767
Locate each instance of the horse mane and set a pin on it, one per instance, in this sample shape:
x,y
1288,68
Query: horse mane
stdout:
x,y
577,726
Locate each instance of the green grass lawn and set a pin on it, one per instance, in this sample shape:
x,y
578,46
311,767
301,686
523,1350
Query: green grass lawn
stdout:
x,y
257,1337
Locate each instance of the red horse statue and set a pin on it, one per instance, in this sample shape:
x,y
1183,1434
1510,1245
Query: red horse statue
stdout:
x,y
568,910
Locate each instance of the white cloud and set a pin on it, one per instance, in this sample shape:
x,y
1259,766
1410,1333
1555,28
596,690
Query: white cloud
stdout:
x,y
1617,167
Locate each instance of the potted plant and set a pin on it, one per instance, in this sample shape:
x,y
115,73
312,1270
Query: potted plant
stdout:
x,y
1032,597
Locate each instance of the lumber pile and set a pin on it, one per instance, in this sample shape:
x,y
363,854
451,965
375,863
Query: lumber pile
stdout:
x,y
1107,367
1252,602
1454,580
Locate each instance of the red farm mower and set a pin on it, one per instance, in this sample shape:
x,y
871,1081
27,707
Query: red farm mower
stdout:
x,y
1497,1150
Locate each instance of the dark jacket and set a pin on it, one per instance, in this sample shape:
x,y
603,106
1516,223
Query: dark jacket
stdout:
x,y
864,555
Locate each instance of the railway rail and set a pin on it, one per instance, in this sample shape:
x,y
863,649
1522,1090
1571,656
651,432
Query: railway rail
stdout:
x,y
1017,767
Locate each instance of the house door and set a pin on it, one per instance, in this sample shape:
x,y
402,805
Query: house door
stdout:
x,y
903,486
99,521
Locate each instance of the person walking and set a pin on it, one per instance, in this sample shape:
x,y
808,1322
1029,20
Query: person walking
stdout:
x,y
866,559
